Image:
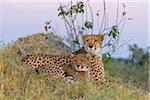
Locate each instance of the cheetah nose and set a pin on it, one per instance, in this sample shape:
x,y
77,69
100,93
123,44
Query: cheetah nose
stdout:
x,y
90,46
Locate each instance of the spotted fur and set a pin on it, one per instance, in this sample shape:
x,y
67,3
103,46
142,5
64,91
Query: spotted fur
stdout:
x,y
86,62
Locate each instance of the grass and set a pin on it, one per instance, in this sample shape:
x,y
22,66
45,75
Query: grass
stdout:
x,y
18,83
131,74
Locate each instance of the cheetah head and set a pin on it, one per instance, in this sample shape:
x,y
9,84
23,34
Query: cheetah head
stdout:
x,y
81,62
93,43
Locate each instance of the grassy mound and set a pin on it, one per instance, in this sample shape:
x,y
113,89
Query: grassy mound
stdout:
x,y
19,83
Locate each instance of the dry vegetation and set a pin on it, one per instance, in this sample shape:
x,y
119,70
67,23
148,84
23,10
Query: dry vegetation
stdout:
x,y
18,83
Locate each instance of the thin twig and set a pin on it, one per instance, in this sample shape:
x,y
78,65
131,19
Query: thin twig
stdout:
x,y
73,24
82,19
86,17
98,19
117,14
112,51
123,24
120,21
121,17
121,31
66,27
107,21
91,12
104,11
108,42
75,17
64,17
67,22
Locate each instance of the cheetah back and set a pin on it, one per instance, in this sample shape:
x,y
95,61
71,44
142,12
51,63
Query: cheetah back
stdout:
x,y
38,60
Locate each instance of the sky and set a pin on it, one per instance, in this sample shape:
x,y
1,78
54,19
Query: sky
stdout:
x,y
19,18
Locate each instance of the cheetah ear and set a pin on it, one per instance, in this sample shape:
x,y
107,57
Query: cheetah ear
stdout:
x,y
101,36
84,36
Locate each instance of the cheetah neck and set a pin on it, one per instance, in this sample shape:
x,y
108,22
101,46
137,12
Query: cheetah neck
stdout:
x,y
94,52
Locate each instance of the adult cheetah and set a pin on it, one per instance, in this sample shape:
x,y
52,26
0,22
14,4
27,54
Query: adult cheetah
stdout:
x,y
59,67
92,46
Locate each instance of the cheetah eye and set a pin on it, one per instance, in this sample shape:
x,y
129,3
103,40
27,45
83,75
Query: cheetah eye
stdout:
x,y
96,40
87,40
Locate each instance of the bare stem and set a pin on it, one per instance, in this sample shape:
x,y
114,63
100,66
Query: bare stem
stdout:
x,y
69,34
104,13
123,24
113,51
86,17
117,14
91,12
108,42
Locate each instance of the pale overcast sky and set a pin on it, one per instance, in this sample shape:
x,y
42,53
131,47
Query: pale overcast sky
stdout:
x,y
23,17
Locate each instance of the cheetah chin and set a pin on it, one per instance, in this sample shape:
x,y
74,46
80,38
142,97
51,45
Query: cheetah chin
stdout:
x,y
95,51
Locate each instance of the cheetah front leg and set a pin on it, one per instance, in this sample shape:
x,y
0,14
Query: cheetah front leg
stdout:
x,y
72,72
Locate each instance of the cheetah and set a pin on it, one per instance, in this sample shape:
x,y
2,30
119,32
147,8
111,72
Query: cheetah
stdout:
x,y
69,71
73,65
92,46
95,70
80,66
56,65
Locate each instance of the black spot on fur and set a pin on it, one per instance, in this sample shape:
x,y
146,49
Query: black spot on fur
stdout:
x,y
47,61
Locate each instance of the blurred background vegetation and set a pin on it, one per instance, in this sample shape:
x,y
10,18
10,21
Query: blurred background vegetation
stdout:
x,y
133,70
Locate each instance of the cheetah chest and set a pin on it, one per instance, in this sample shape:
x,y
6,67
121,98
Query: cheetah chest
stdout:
x,y
97,72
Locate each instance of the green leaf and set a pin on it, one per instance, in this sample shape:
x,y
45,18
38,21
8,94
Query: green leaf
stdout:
x,y
88,25
114,31
76,41
62,12
109,44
